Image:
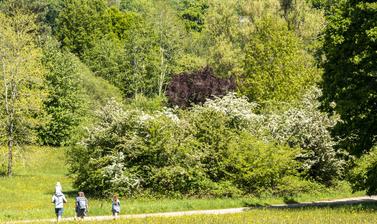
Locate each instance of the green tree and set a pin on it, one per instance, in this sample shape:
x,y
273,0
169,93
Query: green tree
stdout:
x,y
152,48
80,23
138,6
142,57
21,81
276,66
307,20
192,13
169,35
108,59
64,99
350,78
364,175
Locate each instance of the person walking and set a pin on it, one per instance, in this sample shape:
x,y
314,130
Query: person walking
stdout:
x,y
115,206
58,199
81,205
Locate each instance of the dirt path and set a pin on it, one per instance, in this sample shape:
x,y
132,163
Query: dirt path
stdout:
x,y
344,201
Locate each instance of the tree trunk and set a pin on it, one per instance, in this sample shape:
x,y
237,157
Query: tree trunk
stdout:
x,y
162,74
10,157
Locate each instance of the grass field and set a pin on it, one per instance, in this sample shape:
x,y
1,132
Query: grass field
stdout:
x,y
28,193
348,215
318,216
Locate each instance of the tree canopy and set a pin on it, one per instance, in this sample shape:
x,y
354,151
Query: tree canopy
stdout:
x,y
350,78
194,97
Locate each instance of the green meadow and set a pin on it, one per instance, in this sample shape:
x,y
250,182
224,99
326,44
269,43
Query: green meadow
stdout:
x,y
27,196
346,215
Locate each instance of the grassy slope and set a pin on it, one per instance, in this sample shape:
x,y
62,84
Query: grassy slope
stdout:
x,y
97,89
27,195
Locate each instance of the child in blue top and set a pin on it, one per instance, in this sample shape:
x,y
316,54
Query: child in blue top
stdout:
x,y
115,207
81,205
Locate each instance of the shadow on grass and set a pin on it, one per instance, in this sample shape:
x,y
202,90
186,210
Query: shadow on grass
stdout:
x,y
289,200
365,204
255,205
368,206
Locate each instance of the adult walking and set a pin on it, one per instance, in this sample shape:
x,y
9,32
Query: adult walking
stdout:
x,y
58,199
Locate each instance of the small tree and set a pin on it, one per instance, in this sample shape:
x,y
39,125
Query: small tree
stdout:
x,y
20,78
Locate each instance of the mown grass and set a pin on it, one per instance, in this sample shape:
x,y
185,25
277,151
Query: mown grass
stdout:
x,y
27,194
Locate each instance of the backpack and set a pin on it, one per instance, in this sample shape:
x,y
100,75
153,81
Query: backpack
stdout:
x,y
81,202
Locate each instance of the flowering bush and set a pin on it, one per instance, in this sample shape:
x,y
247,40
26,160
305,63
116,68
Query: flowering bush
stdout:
x,y
221,148
306,127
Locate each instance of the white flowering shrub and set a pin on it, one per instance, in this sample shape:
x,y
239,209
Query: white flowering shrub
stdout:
x,y
120,179
175,152
131,152
240,111
222,148
305,126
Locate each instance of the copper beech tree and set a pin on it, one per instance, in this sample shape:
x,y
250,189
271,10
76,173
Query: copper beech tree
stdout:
x,y
195,87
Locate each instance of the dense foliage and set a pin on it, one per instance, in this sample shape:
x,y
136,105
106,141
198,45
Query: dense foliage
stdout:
x,y
217,149
196,154
64,100
135,60
350,79
80,23
363,176
276,67
306,127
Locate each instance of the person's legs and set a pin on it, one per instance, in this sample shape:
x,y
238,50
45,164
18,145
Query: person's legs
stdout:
x,y
59,214
81,213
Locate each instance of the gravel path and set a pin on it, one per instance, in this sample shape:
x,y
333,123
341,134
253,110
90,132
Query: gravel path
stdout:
x,y
344,201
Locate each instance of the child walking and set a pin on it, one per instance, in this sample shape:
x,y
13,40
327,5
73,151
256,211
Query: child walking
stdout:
x,y
81,205
115,207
